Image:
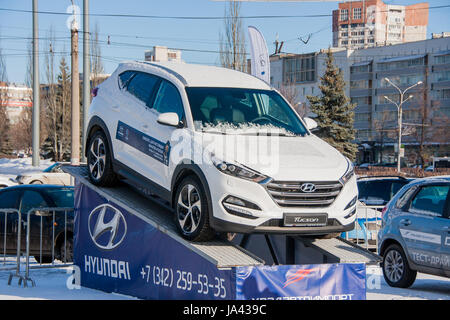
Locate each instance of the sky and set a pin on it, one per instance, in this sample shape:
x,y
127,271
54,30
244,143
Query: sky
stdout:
x,y
130,36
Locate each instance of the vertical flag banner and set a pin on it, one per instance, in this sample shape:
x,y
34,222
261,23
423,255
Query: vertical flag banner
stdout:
x,y
260,63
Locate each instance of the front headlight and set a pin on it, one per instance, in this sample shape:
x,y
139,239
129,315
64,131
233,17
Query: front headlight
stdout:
x,y
348,174
238,171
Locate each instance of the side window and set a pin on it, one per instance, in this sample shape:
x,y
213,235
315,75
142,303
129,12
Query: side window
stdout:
x,y
168,100
430,200
142,86
124,77
405,197
32,199
9,199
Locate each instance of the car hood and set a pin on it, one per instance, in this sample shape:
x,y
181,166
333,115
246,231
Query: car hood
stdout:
x,y
283,158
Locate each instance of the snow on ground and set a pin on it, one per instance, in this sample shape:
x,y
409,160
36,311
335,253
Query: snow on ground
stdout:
x,y
10,168
426,287
51,284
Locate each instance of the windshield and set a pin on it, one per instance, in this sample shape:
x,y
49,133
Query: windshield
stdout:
x,y
216,109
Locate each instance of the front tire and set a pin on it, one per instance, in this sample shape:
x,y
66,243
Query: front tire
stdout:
x,y
191,211
100,161
396,270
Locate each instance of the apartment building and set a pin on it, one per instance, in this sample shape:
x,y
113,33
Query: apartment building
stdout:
x,y
14,98
368,23
161,54
364,71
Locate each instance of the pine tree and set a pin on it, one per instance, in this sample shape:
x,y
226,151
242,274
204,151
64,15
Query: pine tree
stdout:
x,y
334,111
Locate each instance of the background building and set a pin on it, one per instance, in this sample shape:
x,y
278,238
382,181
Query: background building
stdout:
x,y
15,98
161,54
367,23
426,116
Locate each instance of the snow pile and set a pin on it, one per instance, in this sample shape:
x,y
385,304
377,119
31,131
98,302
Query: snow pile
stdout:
x,y
10,168
245,128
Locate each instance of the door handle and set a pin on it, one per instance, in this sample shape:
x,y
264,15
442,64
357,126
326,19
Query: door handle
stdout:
x,y
115,107
405,222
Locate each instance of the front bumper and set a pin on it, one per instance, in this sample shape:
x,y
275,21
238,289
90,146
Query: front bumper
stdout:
x,y
275,226
271,216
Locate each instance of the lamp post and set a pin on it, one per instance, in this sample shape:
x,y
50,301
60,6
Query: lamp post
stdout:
x,y
399,106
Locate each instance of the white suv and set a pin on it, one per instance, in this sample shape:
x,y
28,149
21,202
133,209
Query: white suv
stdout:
x,y
222,147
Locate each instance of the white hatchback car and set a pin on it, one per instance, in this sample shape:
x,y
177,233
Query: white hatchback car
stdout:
x,y
222,147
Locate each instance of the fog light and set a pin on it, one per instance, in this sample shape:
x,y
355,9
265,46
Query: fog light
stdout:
x,y
240,207
351,214
240,202
351,203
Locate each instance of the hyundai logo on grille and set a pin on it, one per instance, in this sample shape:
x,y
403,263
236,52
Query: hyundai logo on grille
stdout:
x,y
308,187
107,226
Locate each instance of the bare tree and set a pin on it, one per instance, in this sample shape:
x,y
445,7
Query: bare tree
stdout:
x,y
291,93
3,73
232,41
96,59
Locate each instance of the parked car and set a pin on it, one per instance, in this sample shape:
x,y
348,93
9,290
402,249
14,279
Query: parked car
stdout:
x,y
52,175
5,182
416,232
145,110
26,197
377,191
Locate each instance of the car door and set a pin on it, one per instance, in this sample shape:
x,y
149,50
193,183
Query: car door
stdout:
x,y
9,199
167,99
129,139
32,199
422,224
445,256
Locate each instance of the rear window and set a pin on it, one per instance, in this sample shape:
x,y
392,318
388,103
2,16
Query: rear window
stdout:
x,y
379,191
62,197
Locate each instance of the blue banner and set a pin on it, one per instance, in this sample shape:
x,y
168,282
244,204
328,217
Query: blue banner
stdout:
x,y
302,282
118,252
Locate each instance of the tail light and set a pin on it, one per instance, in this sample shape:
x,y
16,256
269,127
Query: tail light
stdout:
x,y
383,212
94,92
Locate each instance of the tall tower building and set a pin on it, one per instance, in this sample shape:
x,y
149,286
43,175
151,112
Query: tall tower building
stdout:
x,y
368,23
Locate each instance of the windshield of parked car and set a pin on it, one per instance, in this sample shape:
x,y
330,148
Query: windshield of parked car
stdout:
x,y
225,110
51,168
63,197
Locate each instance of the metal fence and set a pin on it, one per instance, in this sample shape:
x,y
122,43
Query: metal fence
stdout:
x,y
57,240
367,226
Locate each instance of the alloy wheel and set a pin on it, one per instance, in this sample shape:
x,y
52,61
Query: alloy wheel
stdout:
x,y
189,211
394,266
97,158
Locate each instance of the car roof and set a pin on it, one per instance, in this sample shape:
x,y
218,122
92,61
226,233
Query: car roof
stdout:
x,y
36,187
426,180
196,75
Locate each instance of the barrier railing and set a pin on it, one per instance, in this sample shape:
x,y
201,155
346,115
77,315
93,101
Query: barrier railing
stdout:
x,y
367,226
55,243
5,230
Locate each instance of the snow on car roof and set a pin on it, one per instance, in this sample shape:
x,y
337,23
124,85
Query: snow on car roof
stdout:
x,y
195,75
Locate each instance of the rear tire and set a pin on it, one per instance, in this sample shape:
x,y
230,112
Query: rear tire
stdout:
x,y
396,270
99,161
191,211
43,259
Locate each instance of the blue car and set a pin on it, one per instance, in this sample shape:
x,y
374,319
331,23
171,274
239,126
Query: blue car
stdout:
x,y
415,234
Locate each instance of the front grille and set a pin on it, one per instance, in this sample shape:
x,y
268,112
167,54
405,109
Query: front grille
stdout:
x,y
289,194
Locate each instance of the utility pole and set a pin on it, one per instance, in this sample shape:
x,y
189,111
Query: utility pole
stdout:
x,y
86,75
75,155
400,112
36,89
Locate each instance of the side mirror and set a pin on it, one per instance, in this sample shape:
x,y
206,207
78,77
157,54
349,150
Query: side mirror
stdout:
x,y
169,119
310,123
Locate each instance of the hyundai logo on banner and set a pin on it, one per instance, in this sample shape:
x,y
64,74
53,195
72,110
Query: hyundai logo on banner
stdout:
x,y
107,226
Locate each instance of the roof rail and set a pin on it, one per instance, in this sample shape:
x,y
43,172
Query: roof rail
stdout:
x,y
177,75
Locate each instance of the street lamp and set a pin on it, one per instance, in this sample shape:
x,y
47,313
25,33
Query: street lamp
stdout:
x,y
400,111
